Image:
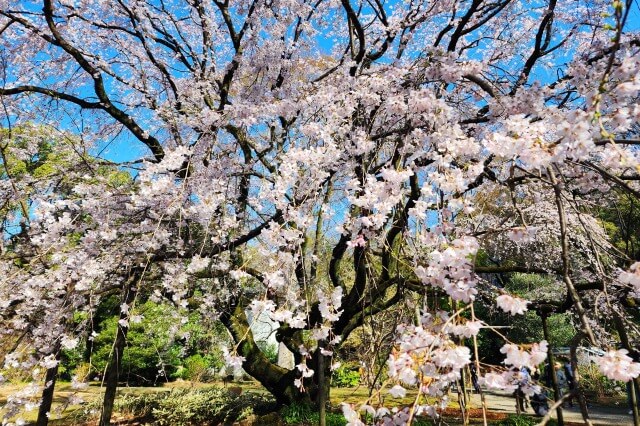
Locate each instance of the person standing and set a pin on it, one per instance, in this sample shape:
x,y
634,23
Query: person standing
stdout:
x,y
521,398
568,372
538,401
561,379
474,378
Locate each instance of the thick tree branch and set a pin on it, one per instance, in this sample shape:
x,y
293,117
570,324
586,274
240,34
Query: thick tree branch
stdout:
x,y
152,143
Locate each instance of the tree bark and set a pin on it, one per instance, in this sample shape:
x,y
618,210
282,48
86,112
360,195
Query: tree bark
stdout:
x,y
277,380
571,289
47,393
573,347
115,364
322,395
320,386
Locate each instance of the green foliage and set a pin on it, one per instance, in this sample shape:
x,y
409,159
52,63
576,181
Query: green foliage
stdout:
x,y
163,345
420,421
37,151
525,328
346,376
594,384
523,420
70,363
621,221
269,350
41,152
197,368
561,330
209,406
151,351
534,286
302,414
205,338
296,413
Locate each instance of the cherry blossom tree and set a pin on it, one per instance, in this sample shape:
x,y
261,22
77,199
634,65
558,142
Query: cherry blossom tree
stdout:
x,y
269,129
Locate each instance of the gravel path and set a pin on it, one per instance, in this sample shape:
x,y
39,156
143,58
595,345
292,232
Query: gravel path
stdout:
x,y
600,415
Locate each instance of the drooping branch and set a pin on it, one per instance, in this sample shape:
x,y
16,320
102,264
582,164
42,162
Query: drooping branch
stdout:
x,y
577,300
613,178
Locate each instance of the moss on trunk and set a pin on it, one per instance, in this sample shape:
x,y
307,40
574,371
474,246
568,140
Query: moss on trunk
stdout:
x,y
277,380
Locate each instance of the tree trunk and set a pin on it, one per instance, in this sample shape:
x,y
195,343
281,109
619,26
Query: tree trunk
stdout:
x,y
573,347
47,393
624,339
320,386
322,391
277,380
115,364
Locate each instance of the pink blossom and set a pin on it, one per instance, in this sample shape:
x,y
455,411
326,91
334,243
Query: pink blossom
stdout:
x,y
617,365
512,305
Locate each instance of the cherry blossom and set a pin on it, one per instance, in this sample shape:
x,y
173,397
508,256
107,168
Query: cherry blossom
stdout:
x,y
232,361
632,277
512,305
617,365
398,391
520,358
352,416
501,381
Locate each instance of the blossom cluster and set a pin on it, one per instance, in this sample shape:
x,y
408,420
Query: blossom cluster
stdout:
x,y
618,365
452,269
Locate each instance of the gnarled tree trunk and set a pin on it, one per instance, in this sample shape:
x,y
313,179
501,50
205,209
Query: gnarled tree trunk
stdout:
x,y
277,380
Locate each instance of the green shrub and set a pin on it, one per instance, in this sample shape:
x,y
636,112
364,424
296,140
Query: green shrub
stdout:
x,y
346,376
139,404
296,413
333,419
523,420
151,350
82,371
197,368
421,421
161,345
193,406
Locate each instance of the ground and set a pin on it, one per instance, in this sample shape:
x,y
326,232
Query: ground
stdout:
x,y
499,404
615,413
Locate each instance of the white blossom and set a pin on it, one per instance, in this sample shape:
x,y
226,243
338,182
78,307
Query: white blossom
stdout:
x,y
617,365
512,305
